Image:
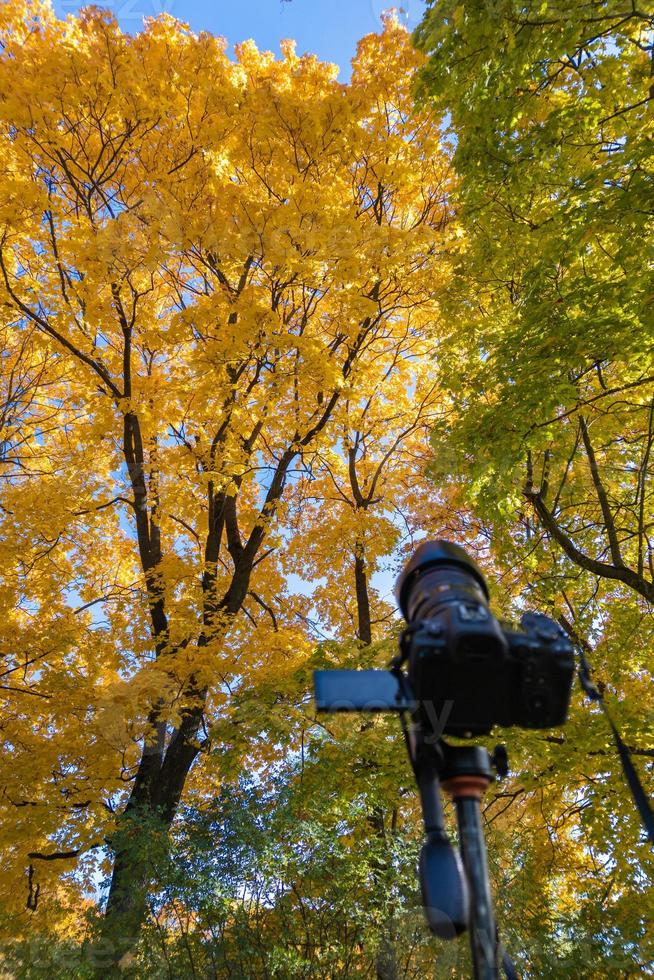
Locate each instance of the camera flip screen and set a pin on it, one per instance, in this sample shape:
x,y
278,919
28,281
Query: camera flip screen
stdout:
x,y
359,690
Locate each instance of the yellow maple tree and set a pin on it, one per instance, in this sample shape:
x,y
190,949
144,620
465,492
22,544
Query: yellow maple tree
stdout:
x,y
226,270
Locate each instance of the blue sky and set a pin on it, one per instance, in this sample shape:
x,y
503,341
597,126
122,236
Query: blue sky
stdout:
x,y
327,28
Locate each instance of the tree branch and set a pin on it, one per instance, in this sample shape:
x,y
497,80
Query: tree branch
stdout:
x,y
602,569
609,523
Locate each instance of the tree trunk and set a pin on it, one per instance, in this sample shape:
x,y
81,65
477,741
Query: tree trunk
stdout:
x,y
364,630
162,770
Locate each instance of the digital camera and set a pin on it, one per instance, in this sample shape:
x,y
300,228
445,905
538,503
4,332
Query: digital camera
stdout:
x,y
466,672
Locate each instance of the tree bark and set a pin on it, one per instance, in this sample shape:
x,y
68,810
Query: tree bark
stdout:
x,y
364,630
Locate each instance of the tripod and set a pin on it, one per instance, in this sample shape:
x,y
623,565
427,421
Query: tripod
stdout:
x,y
456,893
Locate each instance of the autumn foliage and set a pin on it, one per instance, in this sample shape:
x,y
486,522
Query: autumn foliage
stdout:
x,y
236,299
220,290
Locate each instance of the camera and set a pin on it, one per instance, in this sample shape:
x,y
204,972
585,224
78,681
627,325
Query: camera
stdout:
x,y
464,669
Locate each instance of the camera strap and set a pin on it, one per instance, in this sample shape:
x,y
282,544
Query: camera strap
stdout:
x,y
639,795
508,965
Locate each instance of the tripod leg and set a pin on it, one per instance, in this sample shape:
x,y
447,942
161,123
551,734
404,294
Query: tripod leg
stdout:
x,y
473,851
466,775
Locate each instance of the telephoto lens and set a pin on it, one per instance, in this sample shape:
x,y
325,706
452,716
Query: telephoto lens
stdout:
x,y
438,572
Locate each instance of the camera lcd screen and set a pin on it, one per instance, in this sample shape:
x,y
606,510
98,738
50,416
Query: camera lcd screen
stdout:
x,y
358,690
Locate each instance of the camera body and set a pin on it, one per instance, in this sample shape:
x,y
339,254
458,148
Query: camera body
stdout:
x,y
467,677
466,672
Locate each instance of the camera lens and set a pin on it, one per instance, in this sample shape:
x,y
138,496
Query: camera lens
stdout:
x,y
439,573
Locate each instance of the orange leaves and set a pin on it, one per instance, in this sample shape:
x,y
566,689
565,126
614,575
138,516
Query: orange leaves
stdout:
x,y
232,272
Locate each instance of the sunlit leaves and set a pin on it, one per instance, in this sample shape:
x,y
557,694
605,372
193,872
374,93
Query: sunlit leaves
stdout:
x,y
228,273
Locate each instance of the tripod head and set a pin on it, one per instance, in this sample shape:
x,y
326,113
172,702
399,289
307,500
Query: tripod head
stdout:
x,y
464,773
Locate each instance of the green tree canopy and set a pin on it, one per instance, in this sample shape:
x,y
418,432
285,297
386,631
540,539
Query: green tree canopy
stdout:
x,y
550,367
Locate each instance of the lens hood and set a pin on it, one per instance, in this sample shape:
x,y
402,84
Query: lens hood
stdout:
x,y
428,555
